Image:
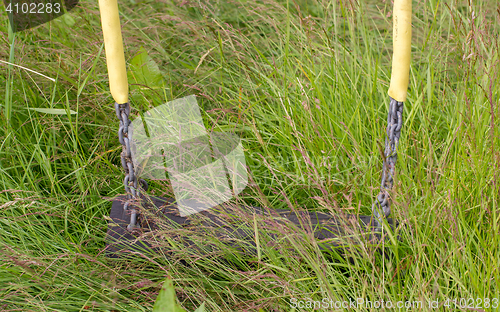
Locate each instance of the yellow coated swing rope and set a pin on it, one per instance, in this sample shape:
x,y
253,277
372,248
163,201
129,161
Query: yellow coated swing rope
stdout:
x,y
397,91
118,85
402,50
115,58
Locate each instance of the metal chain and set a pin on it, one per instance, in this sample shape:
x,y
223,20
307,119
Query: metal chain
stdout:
x,y
394,124
130,180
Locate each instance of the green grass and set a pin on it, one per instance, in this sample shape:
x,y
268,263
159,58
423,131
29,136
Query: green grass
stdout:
x,y
305,85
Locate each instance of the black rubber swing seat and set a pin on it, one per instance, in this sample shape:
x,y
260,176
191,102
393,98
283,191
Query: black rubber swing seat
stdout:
x,y
230,225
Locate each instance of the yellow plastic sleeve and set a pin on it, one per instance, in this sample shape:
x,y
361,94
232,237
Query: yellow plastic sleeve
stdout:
x,y
115,58
402,49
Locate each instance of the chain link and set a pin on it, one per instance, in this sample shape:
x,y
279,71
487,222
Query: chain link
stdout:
x,y
130,181
394,123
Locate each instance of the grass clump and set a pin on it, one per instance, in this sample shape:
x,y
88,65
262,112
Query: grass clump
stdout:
x,y
304,83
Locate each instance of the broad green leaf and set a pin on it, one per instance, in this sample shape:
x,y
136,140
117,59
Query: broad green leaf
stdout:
x,y
53,111
68,20
201,308
144,71
166,300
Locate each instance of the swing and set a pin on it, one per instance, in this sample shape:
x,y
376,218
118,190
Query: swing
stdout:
x,y
232,224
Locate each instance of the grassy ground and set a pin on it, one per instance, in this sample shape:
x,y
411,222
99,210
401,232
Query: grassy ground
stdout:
x,y
305,84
